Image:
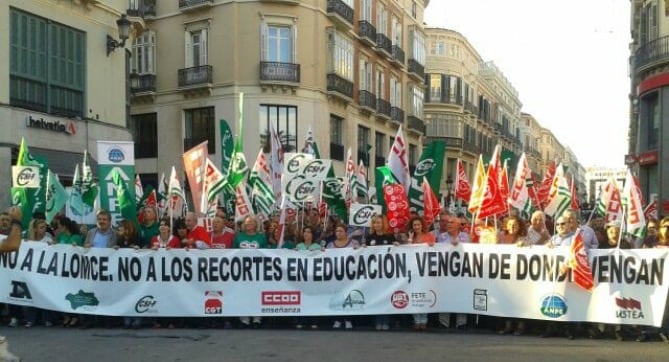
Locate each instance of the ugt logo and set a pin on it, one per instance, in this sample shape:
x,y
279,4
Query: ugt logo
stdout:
x,y
20,291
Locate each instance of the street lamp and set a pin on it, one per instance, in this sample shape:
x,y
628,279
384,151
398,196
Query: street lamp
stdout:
x,y
123,33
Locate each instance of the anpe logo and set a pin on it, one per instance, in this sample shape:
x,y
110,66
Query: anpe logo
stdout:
x,y
145,303
116,155
213,303
554,306
399,299
281,298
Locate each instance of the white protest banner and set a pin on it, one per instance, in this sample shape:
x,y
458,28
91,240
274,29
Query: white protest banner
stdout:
x,y
361,214
630,286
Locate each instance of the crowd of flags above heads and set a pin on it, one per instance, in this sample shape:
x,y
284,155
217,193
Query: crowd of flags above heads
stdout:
x,y
268,188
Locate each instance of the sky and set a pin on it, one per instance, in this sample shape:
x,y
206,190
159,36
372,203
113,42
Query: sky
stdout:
x,y
567,59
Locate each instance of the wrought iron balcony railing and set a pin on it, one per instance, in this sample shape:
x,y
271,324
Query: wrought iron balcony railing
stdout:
x,y
652,52
141,83
416,124
142,8
338,8
383,107
195,76
384,44
340,85
398,54
193,4
367,31
416,68
279,72
397,114
367,100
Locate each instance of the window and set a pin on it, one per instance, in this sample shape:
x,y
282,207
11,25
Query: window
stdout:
x,y
284,119
437,48
396,31
278,43
380,83
365,81
340,60
395,93
380,145
200,127
414,9
435,87
381,19
653,122
417,40
416,108
196,48
47,69
363,139
336,138
366,10
144,54
144,128
413,155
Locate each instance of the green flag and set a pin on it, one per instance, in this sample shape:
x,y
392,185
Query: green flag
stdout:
x,y
30,200
332,187
56,196
430,166
126,201
89,188
227,146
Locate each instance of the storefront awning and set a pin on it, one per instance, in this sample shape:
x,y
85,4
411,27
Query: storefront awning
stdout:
x,y
63,163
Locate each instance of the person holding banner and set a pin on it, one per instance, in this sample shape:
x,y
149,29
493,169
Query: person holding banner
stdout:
x,y
342,241
419,235
10,240
197,236
514,231
165,239
380,236
221,235
661,241
537,232
149,226
305,245
250,238
452,235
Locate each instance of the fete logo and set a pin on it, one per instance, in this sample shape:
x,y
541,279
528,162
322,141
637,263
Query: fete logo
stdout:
x,y
212,302
281,298
115,154
554,306
399,299
145,304
424,299
629,308
20,291
82,299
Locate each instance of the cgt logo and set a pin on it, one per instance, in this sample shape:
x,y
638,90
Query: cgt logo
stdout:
x,y
629,308
399,299
281,298
213,303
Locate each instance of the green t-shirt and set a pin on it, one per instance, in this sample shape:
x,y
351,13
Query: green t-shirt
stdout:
x,y
246,241
146,233
63,238
312,246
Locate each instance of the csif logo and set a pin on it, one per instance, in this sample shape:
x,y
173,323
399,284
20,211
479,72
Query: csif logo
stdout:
x,y
333,185
424,167
362,216
145,304
294,163
27,175
300,188
399,299
315,168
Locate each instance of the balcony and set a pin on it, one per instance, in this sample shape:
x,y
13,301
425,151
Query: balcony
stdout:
x,y
367,100
276,72
383,108
384,45
339,86
651,53
397,55
416,69
142,83
196,77
142,9
188,5
340,13
471,147
453,142
367,32
416,124
471,108
337,152
397,115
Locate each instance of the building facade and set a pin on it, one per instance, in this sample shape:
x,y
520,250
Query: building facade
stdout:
x,y
59,88
649,99
351,70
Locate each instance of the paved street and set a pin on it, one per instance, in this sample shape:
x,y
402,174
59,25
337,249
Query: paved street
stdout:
x,y
102,345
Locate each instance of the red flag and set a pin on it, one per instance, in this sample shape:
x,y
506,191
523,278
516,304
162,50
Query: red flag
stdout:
x,y
579,263
504,187
545,187
397,203
493,203
430,203
463,190
650,211
151,200
574,196
195,161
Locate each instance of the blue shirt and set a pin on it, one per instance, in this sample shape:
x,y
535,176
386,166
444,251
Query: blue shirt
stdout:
x,y
101,238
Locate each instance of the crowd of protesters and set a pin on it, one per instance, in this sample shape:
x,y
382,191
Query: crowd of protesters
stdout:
x,y
308,232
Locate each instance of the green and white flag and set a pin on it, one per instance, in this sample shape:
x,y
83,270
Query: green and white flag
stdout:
x,y
262,195
227,146
56,196
430,166
124,198
559,196
30,200
89,188
116,157
76,200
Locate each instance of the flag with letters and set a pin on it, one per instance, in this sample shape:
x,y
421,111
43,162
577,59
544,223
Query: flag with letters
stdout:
x,y
632,201
579,263
609,203
262,194
559,197
463,190
545,186
519,194
398,160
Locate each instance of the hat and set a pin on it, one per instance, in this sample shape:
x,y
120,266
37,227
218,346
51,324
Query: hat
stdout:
x,y
613,223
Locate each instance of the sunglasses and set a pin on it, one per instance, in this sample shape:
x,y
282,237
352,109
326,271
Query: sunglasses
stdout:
x,y
561,224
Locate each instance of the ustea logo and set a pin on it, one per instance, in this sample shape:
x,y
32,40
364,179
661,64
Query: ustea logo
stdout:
x,y
554,306
629,308
281,298
212,302
399,299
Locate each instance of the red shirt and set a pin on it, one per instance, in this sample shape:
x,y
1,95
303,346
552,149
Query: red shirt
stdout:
x,y
223,240
172,242
199,233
